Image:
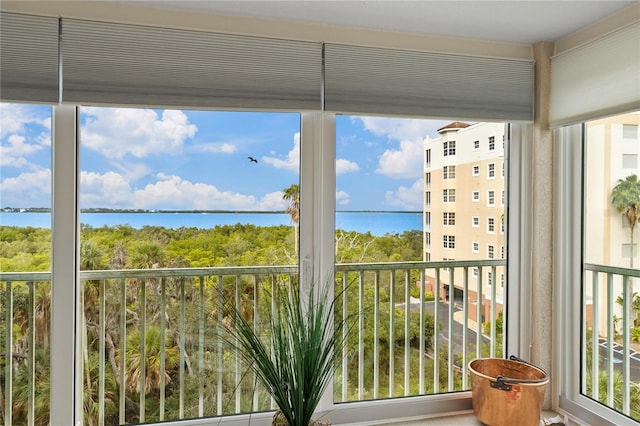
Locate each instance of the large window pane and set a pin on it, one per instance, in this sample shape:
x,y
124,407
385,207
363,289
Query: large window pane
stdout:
x,y
407,195
611,287
177,205
25,262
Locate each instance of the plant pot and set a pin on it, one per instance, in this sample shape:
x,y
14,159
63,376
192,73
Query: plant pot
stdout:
x,y
279,420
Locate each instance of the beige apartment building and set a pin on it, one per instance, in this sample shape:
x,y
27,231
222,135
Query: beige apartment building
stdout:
x,y
612,153
464,186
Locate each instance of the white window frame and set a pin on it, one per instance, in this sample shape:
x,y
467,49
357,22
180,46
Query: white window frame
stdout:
x,y
475,196
475,222
491,223
491,198
475,247
475,170
317,181
491,251
567,274
492,143
491,174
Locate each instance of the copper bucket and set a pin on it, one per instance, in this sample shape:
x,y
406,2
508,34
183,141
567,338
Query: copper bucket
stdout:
x,y
507,392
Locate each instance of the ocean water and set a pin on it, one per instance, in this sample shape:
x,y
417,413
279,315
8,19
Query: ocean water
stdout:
x,y
378,223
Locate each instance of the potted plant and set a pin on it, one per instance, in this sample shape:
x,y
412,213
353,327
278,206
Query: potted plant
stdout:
x,y
293,352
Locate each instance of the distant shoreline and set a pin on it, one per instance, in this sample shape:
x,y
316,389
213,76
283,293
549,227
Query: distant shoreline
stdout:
x,y
147,211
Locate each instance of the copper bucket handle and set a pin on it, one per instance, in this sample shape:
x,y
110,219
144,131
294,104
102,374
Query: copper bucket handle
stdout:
x,y
504,383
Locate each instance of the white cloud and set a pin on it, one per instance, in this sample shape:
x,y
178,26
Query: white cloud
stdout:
x,y
292,161
345,166
273,201
14,152
169,192
402,128
407,198
29,189
342,198
18,123
224,148
109,189
404,163
117,132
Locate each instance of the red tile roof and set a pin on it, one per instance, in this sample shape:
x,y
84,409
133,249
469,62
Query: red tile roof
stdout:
x,y
454,125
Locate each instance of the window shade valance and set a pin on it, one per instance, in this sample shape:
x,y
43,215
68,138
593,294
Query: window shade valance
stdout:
x,y
136,65
389,81
28,58
598,79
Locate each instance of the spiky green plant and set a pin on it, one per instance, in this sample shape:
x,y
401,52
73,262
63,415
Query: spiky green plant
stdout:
x,y
292,353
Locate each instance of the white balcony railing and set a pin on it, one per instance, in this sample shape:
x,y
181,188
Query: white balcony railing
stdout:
x,y
151,353
611,337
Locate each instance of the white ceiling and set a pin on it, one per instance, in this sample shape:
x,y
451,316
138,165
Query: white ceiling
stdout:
x,y
509,21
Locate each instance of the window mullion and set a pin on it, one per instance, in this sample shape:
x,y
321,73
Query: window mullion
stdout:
x,y
66,400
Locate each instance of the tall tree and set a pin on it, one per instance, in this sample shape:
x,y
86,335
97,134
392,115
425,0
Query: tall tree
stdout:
x,y
292,194
625,198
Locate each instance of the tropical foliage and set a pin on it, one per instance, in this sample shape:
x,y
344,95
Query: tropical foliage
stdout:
x,y
625,198
178,361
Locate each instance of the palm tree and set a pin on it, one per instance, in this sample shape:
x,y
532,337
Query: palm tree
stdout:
x,y
292,194
625,197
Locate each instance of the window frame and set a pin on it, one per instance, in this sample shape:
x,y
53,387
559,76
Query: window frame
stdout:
x,y
568,197
316,225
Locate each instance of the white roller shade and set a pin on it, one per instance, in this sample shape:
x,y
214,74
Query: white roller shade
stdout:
x,y
107,63
28,58
388,81
598,79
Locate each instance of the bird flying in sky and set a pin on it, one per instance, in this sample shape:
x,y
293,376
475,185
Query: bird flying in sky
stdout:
x,y
253,160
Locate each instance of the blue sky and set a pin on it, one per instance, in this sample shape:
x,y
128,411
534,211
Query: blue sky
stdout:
x,y
168,159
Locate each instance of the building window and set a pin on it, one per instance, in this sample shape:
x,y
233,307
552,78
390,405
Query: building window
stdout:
x,y
492,143
449,148
449,172
427,158
629,161
502,224
629,131
475,221
501,252
449,218
502,281
448,195
491,198
427,256
502,168
427,239
491,225
502,197
475,247
427,198
449,241
476,145
489,278
474,272
427,220
490,251
475,196
427,179
476,170
491,170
